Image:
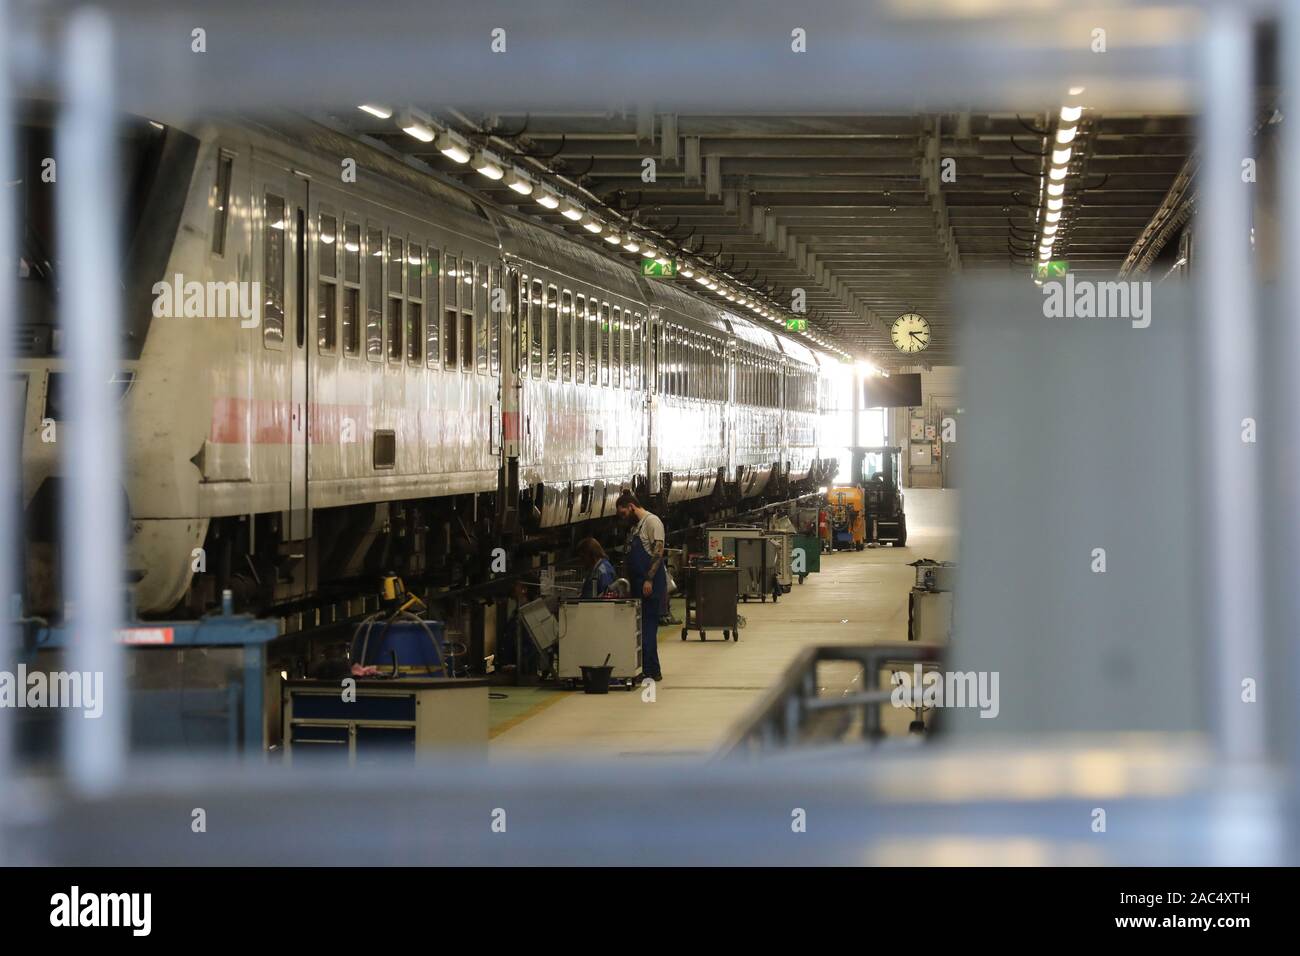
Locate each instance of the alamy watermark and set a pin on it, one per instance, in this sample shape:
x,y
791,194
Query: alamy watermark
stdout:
x,y
932,688
80,690
1085,299
179,299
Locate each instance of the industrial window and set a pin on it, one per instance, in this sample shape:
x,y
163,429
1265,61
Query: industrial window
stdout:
x,y
451,309
481,294
327,292
433,317
396,269
374,293
593,341
552,333
495,296
414,303
221,202
580,340
273,266
604,343
566,335
468,289
638,369
535,303
351,288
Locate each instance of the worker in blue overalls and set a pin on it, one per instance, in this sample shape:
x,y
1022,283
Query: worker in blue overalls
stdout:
x,y
600,572
645,562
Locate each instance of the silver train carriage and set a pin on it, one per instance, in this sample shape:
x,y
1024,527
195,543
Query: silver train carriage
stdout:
x,y
323,379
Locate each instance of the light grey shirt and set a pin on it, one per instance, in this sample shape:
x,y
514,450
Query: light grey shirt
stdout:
x,y
649,529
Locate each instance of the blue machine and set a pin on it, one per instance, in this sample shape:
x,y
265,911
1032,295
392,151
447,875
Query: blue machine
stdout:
x,y
418,647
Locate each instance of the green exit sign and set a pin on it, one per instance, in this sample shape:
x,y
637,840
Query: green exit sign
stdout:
x,y
796,325
663,270
1051,270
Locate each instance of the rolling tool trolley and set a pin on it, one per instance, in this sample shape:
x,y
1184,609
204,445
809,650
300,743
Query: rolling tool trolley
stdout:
x,y
712,591
755,555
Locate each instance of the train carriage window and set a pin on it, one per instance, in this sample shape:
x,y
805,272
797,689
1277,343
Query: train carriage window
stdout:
x,y
433,318
626,337
615,348
593,341
374,294
415,303
566,335
469,288
396,271
496,297
327,291
451,310
481,295
638,369
552,333
273,268
221,202
604,343
580,339
521,325
351,288
535,306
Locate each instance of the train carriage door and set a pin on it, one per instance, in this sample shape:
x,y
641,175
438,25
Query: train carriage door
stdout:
x,y
286,296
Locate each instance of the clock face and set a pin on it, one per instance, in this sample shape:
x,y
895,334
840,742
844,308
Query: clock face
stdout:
x,y
911,332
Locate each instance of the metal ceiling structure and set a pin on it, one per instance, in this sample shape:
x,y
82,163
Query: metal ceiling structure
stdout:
x,y
870,215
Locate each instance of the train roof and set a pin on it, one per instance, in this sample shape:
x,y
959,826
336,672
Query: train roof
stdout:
x,y
551,250
681,303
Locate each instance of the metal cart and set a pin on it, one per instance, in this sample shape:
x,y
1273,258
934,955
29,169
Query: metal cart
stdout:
x,y
711,595
755,554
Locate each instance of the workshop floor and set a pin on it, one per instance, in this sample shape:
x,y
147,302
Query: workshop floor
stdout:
x,y
708,686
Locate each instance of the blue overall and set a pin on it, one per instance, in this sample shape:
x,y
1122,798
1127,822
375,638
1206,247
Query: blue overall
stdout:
x,y
599,579
638,561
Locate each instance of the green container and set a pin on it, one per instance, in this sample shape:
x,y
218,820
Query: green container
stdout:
x,y
807,547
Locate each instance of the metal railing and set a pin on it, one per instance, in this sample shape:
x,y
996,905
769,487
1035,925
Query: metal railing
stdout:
x,y
781,719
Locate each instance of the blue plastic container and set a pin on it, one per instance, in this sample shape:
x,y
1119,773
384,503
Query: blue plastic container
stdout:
x,y
416,654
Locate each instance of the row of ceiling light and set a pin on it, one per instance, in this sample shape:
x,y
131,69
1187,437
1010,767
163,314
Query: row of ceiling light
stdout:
x,y
458,149
1062,150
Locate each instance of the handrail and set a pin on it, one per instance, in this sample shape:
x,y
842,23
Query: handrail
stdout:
x,y
776,720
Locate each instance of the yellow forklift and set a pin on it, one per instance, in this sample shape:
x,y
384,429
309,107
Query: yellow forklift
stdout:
x,y
876,472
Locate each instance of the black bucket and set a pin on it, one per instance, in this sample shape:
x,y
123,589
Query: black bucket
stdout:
x,y
595,680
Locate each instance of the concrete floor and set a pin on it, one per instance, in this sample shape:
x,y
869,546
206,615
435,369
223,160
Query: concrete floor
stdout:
x,y
708,686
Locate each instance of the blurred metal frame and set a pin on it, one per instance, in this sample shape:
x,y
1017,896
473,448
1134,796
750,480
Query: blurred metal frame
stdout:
x,y
884,56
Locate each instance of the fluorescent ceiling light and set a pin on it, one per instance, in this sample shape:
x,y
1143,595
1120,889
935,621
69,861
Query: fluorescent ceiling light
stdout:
x,y
1076,91
1050,230
592,225
1056,189
520,182
571,210
547,198
1055,204
1057,173
374,109
1071,114
416,124
485,164
613,238
453,146
1065,135
1052,216
1061,157
632,245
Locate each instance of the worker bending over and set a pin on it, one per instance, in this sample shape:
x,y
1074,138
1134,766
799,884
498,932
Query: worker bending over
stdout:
x,y
600,572
645,562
